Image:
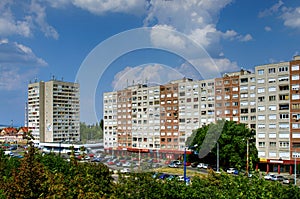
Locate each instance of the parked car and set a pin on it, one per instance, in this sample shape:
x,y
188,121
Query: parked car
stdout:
x,y
127,164
194,164
288,180
277,178
231,170
200,165
164,176
205,166
268,176
173,165
96,160
125,170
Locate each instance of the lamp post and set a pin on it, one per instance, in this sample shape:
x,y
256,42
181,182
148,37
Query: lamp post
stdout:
x,y
295,165
247,164
184,165
218,165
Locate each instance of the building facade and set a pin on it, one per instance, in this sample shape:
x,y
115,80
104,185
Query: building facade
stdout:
x,y
161,118
53,111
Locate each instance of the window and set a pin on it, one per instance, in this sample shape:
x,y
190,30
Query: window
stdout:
x,y
261,81
261,90
245,103
284,144
235,89
283,69
272,107
260,72
284,125
244,80
252,87
295,87
271,70
283,78
295,67
235,103
245,110
272,126
283,106
272,117
261,144
284,97
244,118
261,108
272,89
295,96
272,98
272,144
296,106
261,117
272,80
284,116
261,99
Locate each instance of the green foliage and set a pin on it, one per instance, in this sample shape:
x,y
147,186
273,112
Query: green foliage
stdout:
x,y
91,132
232,143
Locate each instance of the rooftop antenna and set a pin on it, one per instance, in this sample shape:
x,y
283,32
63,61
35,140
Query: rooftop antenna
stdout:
x,y
62,79
35,80
127,82
53,77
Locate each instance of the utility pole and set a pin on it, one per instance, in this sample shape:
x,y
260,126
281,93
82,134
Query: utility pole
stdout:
x,y
218,165
247,166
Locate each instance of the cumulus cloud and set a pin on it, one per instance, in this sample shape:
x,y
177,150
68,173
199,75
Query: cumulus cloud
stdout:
x,y
18,64
32,17
289,15
121,6
153,74
11,26
15,54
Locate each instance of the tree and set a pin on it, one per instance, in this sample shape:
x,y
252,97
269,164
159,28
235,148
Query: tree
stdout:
x,y
232,143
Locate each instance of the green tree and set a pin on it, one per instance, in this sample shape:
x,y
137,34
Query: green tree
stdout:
x,y
232,143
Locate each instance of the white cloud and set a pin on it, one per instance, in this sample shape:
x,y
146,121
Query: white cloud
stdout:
x,y
15,54
154,74
161,36
39,17
12,78
33,16
268,28
102,6
291,17
9,25
245,38
273,10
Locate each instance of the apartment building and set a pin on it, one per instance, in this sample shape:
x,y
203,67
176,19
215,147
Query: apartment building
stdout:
x,y
163,117
53,111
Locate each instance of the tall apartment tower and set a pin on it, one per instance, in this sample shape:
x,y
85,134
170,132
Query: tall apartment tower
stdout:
x,y
53,111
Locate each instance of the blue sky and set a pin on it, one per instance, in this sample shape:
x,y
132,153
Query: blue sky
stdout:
x,y
39,39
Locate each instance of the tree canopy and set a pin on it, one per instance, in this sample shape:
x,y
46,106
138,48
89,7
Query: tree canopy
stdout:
x,y
232,143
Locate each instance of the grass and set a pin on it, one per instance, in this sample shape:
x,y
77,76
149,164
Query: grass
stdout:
x,y
178,171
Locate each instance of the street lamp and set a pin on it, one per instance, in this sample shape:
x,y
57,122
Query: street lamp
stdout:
x,y
247,164
218,165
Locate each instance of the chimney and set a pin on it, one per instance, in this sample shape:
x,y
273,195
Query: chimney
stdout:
x,y
296,57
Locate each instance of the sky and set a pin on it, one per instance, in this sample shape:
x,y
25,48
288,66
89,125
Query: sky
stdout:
x,y
107,45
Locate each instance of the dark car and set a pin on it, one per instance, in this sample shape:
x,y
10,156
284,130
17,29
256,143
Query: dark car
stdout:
x,y
164,176
194,164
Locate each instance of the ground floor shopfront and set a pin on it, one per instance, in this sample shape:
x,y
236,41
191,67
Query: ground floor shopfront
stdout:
x,y
279,166
146,153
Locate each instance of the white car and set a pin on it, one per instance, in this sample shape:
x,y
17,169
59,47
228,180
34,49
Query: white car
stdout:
x,y
231,170
200,165
125,170
268,177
